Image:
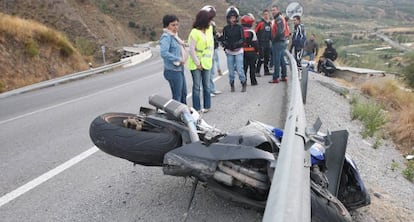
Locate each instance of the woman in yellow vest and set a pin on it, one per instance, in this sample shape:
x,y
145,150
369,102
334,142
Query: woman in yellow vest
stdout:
x,y
200,62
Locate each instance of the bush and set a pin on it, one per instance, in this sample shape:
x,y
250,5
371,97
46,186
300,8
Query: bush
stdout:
x,y
371,116
408,172
31,48
132,24
408,71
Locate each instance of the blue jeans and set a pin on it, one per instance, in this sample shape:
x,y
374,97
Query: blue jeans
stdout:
x,y
310,54
278,51
235,63
216,67
201,77
176,79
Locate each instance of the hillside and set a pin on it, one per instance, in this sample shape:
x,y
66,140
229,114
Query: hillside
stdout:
x,y
30,52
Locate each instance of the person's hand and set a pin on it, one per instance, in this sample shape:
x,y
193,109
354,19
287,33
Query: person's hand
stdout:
x,y
199,67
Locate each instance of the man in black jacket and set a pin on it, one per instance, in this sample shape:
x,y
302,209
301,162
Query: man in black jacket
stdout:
x,y
264,36
233,38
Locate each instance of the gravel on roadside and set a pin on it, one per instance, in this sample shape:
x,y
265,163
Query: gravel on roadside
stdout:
x,y
392,196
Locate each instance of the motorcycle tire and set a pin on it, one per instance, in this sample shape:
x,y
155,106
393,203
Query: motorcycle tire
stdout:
x,y
326,207
146,148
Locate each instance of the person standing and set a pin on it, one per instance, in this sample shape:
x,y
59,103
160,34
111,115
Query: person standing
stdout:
x,y
233,38
298,40
278,45
216,63
311,48
200,61
264,35
172,50
250,48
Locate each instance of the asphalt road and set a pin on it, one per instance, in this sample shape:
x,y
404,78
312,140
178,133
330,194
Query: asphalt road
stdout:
x,y
45,174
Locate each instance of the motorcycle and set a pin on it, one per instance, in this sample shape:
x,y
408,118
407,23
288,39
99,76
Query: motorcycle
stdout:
x,y
239,166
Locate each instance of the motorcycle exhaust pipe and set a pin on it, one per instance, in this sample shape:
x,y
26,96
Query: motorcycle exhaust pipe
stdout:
x,y
247,172
178,110
243,178
223,177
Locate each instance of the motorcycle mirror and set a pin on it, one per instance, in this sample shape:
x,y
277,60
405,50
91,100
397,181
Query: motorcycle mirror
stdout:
x,y
317,137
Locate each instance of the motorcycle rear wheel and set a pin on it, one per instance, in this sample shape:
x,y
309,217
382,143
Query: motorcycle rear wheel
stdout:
x,y
145,147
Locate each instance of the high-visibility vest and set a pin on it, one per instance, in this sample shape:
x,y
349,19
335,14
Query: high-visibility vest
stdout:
x,y
204,48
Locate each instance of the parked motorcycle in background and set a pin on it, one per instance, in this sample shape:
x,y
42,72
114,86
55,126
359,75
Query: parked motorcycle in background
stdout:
x,y
239,166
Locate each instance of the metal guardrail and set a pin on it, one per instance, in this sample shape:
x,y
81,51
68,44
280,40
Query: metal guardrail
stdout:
x,y
289,196
62,79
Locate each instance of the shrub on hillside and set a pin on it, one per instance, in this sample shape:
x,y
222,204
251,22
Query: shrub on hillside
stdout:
x,y
31,48
408,71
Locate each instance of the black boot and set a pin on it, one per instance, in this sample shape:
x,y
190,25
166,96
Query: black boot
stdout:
x,y
243,87
232,86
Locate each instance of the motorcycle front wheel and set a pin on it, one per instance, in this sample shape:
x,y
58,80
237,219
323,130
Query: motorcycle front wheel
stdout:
x,y
146,146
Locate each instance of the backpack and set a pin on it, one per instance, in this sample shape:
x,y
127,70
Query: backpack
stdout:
x,y
248,36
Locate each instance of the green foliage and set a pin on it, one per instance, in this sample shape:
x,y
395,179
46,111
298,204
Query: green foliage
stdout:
x,y
153,33
408,172
132,24
31,48
103,6
371,116
85,47
408,71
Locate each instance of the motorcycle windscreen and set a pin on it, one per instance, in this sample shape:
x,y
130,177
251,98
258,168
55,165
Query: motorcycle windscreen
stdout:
x,y
335,157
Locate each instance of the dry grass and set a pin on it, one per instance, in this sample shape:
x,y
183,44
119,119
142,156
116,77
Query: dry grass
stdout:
x,y
30,31
400,105
31,52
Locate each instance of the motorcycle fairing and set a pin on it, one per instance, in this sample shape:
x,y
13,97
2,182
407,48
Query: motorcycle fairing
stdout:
x,y
335,156
199,160
254,134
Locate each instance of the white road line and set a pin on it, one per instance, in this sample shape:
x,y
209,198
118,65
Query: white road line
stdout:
x,y
46,176
50,174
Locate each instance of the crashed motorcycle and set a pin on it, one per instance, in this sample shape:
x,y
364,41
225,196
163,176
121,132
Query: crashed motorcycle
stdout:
x,y
238,166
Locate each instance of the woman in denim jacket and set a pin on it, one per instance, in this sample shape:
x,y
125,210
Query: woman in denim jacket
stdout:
x,y
174,56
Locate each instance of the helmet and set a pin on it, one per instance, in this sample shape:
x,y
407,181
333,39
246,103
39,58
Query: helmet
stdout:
x,y
251,15
232,11
329,42
210,9
247,20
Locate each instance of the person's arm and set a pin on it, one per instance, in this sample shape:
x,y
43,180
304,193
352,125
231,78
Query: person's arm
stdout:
x,y
258,27
192,51
165,42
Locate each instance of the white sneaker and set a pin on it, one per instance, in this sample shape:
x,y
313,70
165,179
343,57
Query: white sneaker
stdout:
x,y
205,110
212,95
217,92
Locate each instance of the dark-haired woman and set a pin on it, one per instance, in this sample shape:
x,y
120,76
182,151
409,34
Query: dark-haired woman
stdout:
x,y
174,55
200,62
